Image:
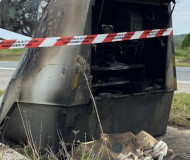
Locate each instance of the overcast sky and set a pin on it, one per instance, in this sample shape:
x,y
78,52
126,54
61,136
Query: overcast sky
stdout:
x,y
181,17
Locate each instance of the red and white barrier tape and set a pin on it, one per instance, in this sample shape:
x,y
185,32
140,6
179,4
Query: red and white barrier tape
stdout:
x,y
84,40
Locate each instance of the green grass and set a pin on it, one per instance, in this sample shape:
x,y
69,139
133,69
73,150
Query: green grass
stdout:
x,y
182,52
182,57
11,55
1,92
180,110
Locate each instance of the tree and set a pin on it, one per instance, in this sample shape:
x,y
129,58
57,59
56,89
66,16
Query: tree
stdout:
x,y
186,42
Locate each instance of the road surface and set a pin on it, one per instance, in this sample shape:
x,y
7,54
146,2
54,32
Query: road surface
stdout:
x,y
6,71
183,77
183,74
178,140
8,68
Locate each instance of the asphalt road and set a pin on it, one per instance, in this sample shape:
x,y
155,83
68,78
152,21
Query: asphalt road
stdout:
x,y
8,68
6,71
183,77
183,74
8,65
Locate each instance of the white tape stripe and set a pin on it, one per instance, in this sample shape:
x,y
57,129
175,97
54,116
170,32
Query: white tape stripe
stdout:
x,y
137,35
49,42
20,44
153,33
100,38
119,37
168,32
77,40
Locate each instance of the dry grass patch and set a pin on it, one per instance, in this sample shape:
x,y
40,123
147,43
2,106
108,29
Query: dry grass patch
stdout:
x,y
183,61
180,112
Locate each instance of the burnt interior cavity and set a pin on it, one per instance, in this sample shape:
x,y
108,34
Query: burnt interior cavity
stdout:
x,y
132,66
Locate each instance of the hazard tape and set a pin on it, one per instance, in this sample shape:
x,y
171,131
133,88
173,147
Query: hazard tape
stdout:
x,y
84,40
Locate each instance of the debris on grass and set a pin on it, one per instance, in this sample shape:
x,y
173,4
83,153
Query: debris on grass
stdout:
x,y
125,146
8,154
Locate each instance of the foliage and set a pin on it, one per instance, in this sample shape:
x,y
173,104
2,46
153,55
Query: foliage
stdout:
x,y
178,39
182,54
186,42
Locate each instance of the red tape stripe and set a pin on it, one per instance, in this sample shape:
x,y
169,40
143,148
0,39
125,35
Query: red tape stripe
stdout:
x,y
63,41
35,42
6,44
161,32
110,37
145,34
89,39
128,36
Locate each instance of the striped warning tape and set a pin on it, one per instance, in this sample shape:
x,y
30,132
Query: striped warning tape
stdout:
x,y
84,40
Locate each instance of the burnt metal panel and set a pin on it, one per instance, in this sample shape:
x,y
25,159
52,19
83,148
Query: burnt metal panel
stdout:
x,y
44,127
170,65
46,75
149,112
170,68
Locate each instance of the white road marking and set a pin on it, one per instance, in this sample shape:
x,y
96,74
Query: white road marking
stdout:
x,y
183,82
12,69
5,34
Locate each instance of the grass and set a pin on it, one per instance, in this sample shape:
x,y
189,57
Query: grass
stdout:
x,y
11,55
182,57
182,52
180,112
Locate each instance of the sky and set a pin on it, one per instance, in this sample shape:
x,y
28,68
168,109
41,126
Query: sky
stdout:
x,y
181,17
